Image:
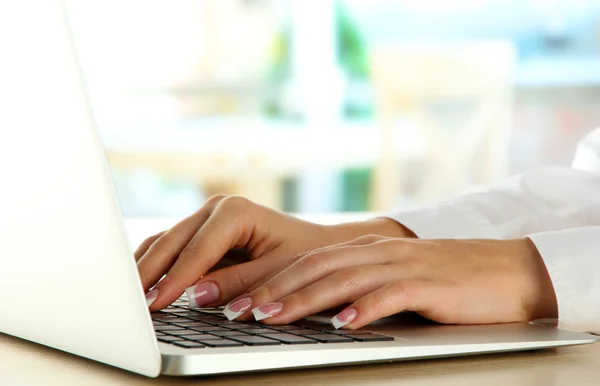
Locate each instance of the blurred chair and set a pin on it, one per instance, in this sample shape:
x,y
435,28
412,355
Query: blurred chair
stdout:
x,y
457,99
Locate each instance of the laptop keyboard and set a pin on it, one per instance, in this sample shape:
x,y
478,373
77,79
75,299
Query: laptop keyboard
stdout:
x,y
209,328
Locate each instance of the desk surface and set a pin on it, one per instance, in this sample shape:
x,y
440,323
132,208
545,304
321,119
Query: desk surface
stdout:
x,y
25,363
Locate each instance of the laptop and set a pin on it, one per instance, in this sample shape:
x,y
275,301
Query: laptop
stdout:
x,y
69,281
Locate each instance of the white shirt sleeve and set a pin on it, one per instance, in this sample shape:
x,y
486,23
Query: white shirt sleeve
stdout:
x,y
558,208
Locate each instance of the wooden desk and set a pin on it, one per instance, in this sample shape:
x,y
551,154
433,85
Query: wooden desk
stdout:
x,y
25,363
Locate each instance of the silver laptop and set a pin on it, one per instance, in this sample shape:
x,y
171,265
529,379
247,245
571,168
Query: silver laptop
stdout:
x,y
68,279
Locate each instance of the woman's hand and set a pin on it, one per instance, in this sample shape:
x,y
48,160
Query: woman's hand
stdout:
x,y
448,281
231,245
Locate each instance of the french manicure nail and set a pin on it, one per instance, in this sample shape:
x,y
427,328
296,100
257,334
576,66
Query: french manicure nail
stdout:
x,y
237,307
151,297
343,318
201,294
267,310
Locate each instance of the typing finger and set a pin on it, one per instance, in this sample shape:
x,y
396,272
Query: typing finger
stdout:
x,y
413,295
341,287
229,227
364,240
220,286
141,250
161,255
306,271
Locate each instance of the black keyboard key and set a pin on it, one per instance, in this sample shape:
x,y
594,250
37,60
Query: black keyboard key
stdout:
x,y
189,323
311,323
350,332
157,323
284,327
328,328
188,344
168,338
200,319
291,339
164,317
177,320
233,325
168,328
229,333
330,338
176,311
202,337
190,314
221,343
212,318
253,340
370,338
182,332
258,331
302,331
210,329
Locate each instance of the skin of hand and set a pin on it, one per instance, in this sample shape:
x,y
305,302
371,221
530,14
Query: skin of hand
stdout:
x,y
448,281
232,245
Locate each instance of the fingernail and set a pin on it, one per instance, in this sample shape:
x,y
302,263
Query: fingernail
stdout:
x,y
201,294
151,297
343,318
267,310
237,307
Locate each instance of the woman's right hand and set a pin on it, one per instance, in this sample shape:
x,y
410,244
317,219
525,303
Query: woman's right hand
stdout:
x,y
232,245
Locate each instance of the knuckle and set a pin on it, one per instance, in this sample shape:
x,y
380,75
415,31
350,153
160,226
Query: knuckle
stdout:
x,y
150,240
314,262
213,200
154,237
349,278
159,243
402,289
378,305
189,250
234,203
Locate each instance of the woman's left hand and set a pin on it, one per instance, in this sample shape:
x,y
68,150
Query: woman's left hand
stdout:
x,y
448,281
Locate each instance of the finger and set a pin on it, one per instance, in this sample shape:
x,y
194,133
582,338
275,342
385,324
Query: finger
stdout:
x,y
315,266
359,241
141,250
412,295
341,287
306,271
219,287
229,227
161,255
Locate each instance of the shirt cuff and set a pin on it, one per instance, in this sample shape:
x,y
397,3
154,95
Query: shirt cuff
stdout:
x,y
447,221
571,260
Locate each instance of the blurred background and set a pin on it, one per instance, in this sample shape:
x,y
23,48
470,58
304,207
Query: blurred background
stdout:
x,y
334,106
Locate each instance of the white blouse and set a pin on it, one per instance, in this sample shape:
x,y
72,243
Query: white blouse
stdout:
x,y
558,208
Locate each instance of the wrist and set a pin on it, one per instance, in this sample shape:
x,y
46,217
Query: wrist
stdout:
x,y
543,303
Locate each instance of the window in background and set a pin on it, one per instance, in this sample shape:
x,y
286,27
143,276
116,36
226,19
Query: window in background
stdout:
x,y
334,105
